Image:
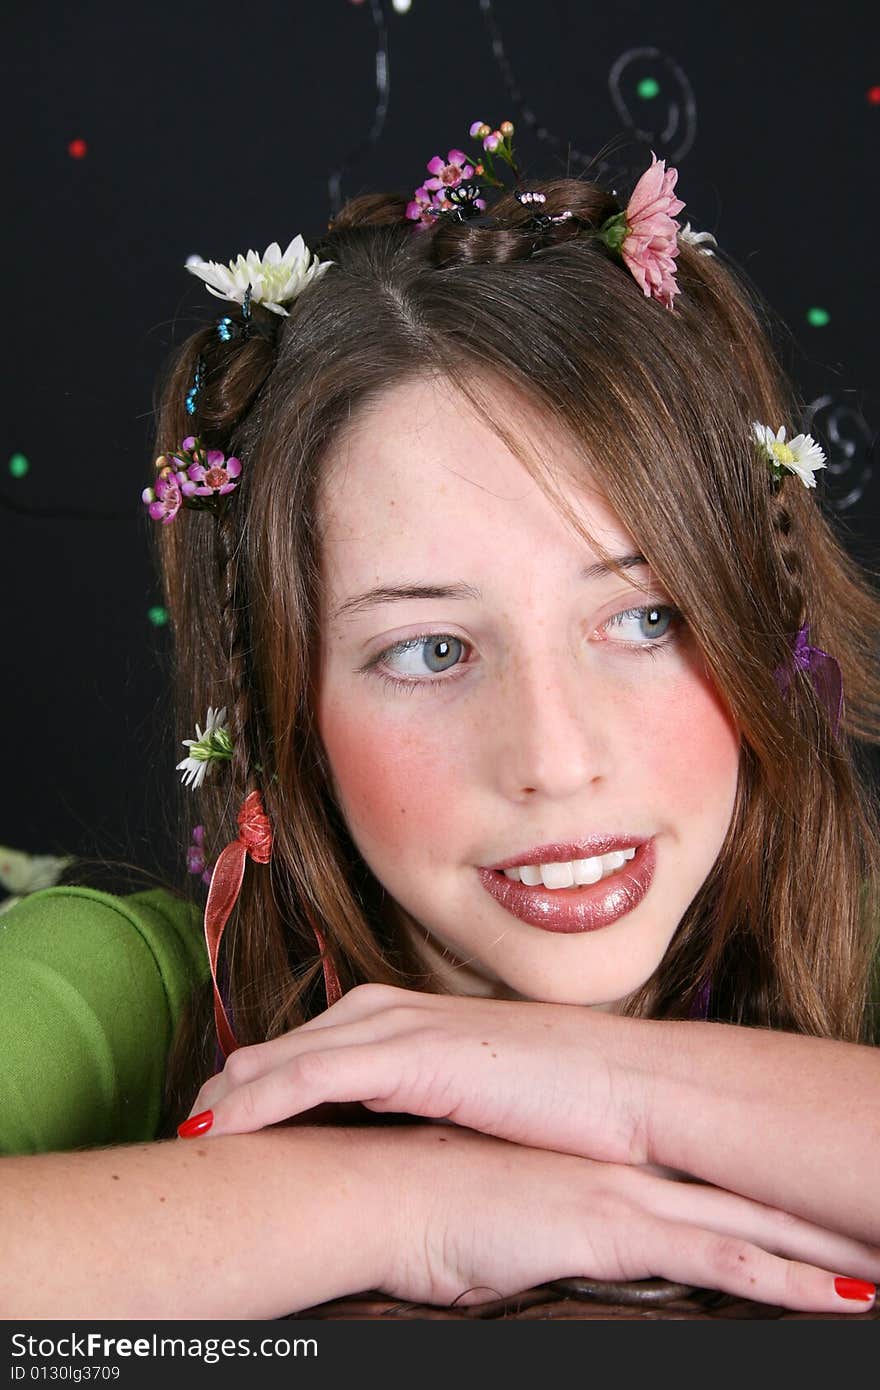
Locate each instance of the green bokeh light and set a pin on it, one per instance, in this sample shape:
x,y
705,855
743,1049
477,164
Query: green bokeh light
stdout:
x,y
157,615
818,317
648,87
19,465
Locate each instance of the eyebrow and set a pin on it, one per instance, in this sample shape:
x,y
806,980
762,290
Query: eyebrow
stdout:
x,y
394,593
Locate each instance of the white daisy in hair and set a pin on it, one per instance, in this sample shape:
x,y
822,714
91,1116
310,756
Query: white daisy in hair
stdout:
x,y
212,744
275,278
801,455
697,239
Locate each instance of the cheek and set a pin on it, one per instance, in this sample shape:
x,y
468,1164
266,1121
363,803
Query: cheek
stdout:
x,y
396,790
695,747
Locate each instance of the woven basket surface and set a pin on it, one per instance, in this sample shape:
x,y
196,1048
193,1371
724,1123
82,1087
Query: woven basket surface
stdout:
x,y
653,1299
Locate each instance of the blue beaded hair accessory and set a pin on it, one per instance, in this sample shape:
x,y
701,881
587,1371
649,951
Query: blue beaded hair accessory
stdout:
x,y
192,394
228,329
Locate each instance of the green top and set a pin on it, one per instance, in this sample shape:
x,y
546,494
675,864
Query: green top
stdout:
x,y
91,989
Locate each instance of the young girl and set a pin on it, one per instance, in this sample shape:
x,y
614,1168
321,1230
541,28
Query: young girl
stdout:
x,y
538,692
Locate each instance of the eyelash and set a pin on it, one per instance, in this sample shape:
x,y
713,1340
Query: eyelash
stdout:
x,y
412,683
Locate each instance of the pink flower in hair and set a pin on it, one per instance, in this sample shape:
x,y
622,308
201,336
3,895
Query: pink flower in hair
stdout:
x,y
216,479
164,501
650,246
418,209
450,174
645,234
431,198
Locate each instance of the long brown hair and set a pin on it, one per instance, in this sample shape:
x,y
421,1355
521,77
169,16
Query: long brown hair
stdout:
x,y
659,406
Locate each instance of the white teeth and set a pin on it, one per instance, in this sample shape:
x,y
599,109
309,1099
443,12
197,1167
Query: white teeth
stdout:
x,y
588,870
529,873
558,875
574,873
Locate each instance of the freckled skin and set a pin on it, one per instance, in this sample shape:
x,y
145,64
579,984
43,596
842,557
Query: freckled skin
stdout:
x,y
551,726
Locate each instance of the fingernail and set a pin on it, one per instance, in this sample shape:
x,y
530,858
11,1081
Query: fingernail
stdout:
x,y
200,1124
854,1288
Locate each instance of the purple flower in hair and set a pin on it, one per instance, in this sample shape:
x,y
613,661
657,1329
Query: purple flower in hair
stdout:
x,y
822,669
195,856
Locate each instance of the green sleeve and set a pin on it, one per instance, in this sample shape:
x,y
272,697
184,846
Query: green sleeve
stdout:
x,y
91,989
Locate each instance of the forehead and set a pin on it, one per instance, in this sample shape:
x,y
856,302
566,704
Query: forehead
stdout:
x,y
421,465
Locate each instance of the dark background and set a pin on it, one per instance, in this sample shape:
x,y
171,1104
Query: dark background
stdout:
x,y
212,128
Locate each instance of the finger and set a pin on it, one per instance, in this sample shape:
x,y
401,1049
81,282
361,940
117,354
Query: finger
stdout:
x,y
772,1228
365,1001
369,1074
247,1064
388,1008
692,1255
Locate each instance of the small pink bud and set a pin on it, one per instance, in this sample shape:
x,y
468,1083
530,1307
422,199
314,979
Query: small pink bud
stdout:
x,y
492,141
507,129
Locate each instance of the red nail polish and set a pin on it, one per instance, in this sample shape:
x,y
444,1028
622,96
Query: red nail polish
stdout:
x,y
196,1124
854,1288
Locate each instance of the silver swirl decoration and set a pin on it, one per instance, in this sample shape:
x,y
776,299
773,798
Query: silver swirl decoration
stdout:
x,y
672,134
849,444
383,93
525,114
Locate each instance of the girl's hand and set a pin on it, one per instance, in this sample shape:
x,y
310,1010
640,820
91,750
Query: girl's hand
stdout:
x,y
537,1074
477,1218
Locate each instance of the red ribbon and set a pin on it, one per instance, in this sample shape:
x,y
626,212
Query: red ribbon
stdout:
x,y
254,839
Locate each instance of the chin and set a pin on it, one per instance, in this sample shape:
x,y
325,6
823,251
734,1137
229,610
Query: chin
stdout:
x,y
551,992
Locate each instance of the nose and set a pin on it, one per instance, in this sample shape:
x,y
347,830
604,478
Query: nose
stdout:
x,y
552,734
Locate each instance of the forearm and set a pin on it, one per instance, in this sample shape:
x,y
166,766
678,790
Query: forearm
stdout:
x,y
247,1226
788,1120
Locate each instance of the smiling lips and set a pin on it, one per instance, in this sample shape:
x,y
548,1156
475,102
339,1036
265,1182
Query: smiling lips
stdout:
x,y
577,909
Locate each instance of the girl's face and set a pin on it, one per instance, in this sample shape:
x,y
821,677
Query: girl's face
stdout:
x,y
538,706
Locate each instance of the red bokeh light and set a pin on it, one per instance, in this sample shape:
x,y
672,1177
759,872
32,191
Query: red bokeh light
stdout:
x,y
77,149
874,96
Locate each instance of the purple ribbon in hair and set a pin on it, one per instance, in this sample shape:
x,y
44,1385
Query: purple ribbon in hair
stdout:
x,y
823,671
